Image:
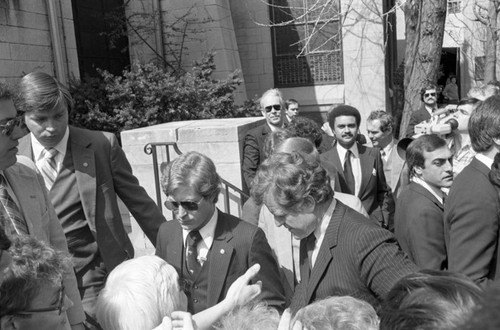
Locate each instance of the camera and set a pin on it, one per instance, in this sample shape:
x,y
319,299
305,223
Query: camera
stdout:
x,y
439,124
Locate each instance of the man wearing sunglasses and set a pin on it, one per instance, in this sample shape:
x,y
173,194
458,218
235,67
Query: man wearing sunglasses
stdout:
x,y
428,95
273,109
25,208
35,274
208,248
84,171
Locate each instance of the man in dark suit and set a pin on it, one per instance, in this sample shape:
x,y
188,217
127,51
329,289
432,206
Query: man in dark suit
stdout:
x,y
84,172
358,169
418,221
273,109
208,248
379,126
471,211
428,95
341,253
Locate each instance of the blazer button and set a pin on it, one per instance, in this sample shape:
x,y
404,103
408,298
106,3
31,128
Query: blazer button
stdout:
x,y
85,164
195,287
195,300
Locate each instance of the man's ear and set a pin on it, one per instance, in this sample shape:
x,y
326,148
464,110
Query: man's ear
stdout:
x,y
8,322
497,141
308,205
417,170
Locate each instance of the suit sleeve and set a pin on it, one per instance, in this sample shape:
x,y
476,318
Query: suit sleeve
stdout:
x,y
472,221
384,196
426,239
251,159
58,241
380,260
145,211
272,288
410,130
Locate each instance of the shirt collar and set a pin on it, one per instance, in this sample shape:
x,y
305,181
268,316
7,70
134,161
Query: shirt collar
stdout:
x,y
342,151
207,232
60,147
424,184
485,160
320,230
388,148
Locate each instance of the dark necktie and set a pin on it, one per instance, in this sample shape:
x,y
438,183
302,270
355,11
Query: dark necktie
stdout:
x,y
348,175
192,264
10,213
306,251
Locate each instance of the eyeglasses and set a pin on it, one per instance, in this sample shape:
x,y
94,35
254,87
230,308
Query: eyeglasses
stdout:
x,y
58,307
188,206
270,108
9,126
429,94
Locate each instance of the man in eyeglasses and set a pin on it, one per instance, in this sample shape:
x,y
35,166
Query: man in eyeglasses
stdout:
x,y
32,293
84,171
208,248
273,109
25,208
428,95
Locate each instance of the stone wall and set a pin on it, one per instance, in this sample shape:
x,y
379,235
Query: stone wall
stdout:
x,y
25,42
219,139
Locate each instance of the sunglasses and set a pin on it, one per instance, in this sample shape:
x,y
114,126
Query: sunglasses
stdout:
x,y
58,307
188,206
429,94
270,108
9,126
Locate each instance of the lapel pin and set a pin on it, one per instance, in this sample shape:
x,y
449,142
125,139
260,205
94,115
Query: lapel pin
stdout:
x,y
374,172
222,251
85,164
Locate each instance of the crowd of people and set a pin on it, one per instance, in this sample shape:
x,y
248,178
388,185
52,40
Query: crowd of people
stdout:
x,y
339,232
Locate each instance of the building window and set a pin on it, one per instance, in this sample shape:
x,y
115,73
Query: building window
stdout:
x,y
307,42
454,6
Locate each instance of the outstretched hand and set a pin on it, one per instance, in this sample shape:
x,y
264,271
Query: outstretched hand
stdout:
x,y
177,321
241,292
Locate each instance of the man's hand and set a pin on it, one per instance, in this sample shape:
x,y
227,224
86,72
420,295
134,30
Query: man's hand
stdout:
x,y
78,326
285,321
240,292
177,321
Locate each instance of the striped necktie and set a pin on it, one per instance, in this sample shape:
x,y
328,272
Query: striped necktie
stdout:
x,y
9,212
49,167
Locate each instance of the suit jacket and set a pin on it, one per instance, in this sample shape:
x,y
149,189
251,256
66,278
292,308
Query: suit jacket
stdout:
x,y
253,151
43,224
356,258
418,225
395,171
103,173
237,246
374,192
471,220
416,118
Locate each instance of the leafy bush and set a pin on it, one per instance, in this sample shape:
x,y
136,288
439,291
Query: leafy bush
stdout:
x,y
148,95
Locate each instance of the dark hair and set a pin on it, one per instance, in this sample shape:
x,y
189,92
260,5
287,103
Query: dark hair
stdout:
x,y
429,300
343,110
307,128
5,91
494,173
4,239
425,89
386,120
415,151
274,139
290,102
485,315
484,124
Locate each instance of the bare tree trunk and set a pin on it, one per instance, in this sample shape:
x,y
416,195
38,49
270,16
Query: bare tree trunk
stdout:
x,y
425,20
490,45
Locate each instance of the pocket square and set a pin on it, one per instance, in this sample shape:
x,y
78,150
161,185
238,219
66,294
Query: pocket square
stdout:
x,y
374,172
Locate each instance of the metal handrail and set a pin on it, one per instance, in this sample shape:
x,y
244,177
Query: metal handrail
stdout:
x,y
151,149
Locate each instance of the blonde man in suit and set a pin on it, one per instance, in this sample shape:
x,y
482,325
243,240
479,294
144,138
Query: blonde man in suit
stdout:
x,y
380,126
84,171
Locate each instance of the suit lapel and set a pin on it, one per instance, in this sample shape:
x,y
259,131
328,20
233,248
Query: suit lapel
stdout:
x,y
25,148
325,255
85,171
220,258
366,163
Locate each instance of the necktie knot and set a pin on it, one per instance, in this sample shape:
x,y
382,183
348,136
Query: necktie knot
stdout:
x,y
382,152
49,153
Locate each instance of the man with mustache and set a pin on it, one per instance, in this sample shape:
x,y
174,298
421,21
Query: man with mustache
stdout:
x,y
428,95
357,169
419,209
